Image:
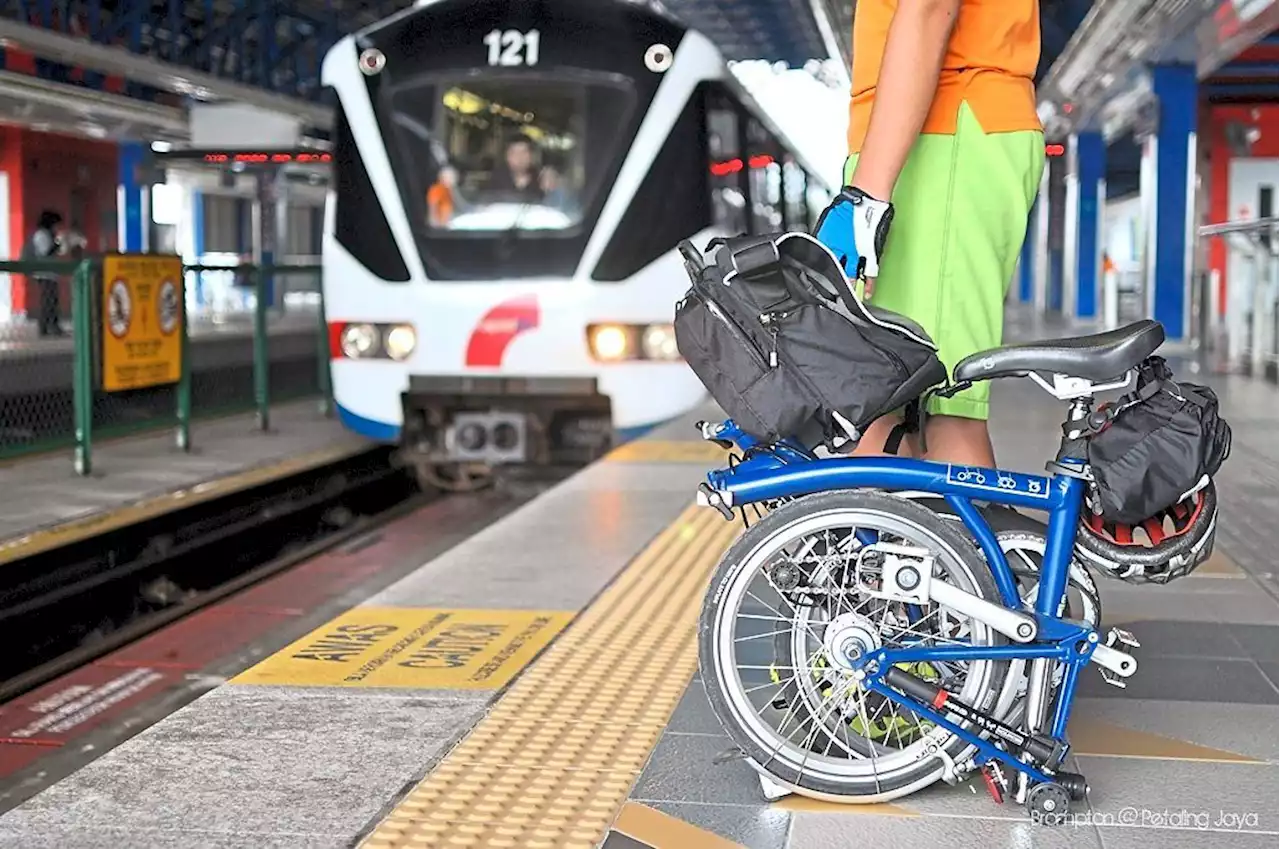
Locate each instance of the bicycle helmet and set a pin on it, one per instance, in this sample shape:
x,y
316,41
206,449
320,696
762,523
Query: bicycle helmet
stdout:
x,y
1168,545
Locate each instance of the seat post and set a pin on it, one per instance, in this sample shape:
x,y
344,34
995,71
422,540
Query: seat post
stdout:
x,y
1074,445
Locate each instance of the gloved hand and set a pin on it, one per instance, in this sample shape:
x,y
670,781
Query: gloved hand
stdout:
x,y
855,226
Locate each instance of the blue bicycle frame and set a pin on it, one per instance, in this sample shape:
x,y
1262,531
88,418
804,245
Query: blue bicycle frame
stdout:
x,y
782,470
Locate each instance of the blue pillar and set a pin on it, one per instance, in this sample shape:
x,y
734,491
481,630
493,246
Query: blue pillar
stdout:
x,y
1171,175
1027,264
1090,155
132,227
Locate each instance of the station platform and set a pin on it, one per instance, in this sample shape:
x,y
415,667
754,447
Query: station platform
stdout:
x,y
44,504
36,404
536,685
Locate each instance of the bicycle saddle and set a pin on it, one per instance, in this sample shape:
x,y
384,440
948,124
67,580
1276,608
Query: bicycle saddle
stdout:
x,y
1098,357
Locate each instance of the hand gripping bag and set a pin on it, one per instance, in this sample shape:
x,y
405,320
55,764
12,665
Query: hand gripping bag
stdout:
x,y
772,328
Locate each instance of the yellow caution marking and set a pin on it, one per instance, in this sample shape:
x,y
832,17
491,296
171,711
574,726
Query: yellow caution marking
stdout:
x,y
646,451
1218,565
803,804
412,647
662,831
556,757
1102,739
96,524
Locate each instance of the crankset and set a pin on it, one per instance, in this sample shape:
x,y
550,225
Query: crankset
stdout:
x,y
1034,754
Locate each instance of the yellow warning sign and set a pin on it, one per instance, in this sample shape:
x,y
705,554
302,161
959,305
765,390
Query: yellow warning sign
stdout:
x,y
142,313
413,647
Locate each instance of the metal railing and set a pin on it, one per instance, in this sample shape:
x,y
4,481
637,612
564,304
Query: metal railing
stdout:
x,y
52,388
1243,328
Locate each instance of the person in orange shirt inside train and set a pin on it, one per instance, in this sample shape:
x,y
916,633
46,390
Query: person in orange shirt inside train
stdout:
x,y
440,197
946,146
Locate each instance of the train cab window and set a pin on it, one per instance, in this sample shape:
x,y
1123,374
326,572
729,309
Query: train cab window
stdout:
x,y
501,155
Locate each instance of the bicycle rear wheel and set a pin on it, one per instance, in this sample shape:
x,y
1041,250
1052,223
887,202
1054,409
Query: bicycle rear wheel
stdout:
x,y
785,594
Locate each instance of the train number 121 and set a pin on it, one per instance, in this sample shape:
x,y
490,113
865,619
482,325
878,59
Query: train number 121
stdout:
x,y
512,47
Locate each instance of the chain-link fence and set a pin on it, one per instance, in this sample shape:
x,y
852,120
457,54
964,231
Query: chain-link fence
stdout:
x,y
62,331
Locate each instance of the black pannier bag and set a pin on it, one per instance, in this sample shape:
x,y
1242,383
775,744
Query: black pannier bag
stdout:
x,y
772,328
1157,444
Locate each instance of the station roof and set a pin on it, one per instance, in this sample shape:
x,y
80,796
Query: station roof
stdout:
x,y
128,67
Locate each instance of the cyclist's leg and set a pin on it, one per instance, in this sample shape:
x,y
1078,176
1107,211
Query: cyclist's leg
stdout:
x,y
961,206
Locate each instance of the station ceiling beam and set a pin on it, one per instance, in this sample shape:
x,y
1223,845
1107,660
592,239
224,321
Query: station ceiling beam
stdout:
x,y
1101,76
198,85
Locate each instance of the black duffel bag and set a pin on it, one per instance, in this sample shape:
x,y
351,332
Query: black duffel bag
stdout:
x,y
1157,444
772,328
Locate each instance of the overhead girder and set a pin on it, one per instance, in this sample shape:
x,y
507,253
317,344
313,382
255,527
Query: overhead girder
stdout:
x,y
277,46
1104,66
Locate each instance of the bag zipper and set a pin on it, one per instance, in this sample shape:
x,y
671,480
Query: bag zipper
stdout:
x,y
737,332
769,320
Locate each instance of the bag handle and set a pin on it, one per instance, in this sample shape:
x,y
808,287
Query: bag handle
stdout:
x,y
748,255
694,264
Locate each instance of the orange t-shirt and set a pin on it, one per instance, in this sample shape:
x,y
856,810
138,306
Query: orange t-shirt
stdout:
x,y
440,204
990,62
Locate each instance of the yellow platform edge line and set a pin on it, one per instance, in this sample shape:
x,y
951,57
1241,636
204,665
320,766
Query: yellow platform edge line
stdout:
x,y
95,524
553,761
663,831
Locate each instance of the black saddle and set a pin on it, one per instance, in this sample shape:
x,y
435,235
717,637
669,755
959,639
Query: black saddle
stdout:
x,y
1100,357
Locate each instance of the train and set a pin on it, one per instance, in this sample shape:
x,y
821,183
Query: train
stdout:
x,y
509,185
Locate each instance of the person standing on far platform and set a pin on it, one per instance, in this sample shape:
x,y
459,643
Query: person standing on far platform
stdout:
x,y
45,243
946,146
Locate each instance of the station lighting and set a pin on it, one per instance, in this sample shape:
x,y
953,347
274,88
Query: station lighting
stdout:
x,y
623,342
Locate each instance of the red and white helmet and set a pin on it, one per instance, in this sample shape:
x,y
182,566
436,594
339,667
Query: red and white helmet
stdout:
x,y
1160,548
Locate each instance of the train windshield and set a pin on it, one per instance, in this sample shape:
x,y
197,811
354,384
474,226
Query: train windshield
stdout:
x,y
479,156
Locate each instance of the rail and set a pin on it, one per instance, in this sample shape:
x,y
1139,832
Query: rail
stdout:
x,y
44,404
1244,319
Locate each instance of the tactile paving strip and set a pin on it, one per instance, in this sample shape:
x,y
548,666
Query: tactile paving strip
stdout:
x,y
553,761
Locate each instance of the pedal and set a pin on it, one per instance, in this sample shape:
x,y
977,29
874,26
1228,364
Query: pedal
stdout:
x,y
1112,678
997,783
1123,637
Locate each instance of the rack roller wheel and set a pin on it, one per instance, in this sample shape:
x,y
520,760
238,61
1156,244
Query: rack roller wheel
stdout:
x,y
1049,804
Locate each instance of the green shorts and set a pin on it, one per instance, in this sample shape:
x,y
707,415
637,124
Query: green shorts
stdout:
x,y
960,216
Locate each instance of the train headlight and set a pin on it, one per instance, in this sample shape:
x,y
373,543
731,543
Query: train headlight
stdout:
x,y
359,341
659,342
615,343
611,342
399,341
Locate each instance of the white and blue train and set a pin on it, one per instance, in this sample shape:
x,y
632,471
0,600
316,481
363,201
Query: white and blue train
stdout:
x,y
510,182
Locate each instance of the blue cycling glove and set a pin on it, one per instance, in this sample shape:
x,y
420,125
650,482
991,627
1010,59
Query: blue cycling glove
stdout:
x,y
855,227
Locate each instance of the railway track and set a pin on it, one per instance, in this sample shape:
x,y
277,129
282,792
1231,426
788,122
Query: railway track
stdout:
x,y
66,607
